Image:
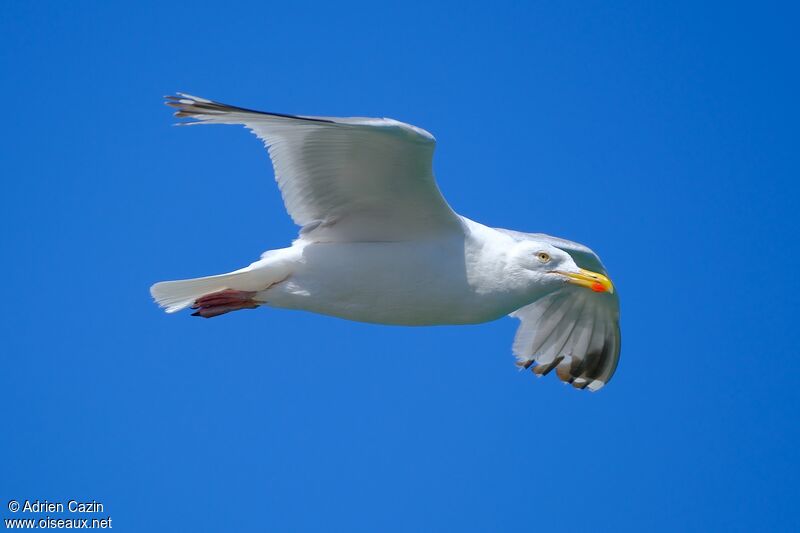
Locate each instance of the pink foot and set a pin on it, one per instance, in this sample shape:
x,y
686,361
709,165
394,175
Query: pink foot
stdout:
x,y
219,303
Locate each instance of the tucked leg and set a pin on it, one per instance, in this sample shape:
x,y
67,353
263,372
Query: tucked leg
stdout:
x,y
219,303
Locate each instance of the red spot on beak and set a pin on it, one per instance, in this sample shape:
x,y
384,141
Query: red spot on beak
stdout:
x,y
598,287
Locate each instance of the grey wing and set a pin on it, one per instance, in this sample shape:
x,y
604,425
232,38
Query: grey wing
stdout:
x,y
572,331
344,178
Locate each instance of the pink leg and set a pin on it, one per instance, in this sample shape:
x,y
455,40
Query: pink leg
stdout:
x,y
219,303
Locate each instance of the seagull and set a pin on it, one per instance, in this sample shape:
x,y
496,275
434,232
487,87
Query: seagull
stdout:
x,y
378,243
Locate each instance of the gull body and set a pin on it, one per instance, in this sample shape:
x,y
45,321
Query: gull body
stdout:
x,y
378,243
464,278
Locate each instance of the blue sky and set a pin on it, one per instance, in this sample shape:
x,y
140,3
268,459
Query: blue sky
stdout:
x,y
662,136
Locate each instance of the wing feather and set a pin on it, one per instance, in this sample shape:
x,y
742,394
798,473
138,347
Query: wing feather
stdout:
x,y
343,178
581,334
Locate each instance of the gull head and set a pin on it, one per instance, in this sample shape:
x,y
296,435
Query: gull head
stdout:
x,y
549,268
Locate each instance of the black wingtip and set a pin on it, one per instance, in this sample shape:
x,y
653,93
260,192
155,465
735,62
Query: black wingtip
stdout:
x,y
195,105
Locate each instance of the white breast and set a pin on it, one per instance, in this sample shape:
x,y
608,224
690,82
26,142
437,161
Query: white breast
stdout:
x,y
412,283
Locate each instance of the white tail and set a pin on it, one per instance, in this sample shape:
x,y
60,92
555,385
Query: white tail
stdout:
x,y
180,294
273,267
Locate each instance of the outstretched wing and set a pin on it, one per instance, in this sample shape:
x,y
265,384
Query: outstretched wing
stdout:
x,y
343,178
572,331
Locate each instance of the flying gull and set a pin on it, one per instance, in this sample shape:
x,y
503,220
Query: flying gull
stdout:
x,y
378,243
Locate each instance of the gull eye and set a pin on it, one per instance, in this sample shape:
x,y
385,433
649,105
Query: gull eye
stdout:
x,y
543,257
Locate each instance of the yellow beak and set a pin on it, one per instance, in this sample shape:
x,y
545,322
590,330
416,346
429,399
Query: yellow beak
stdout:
x,y
590,280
